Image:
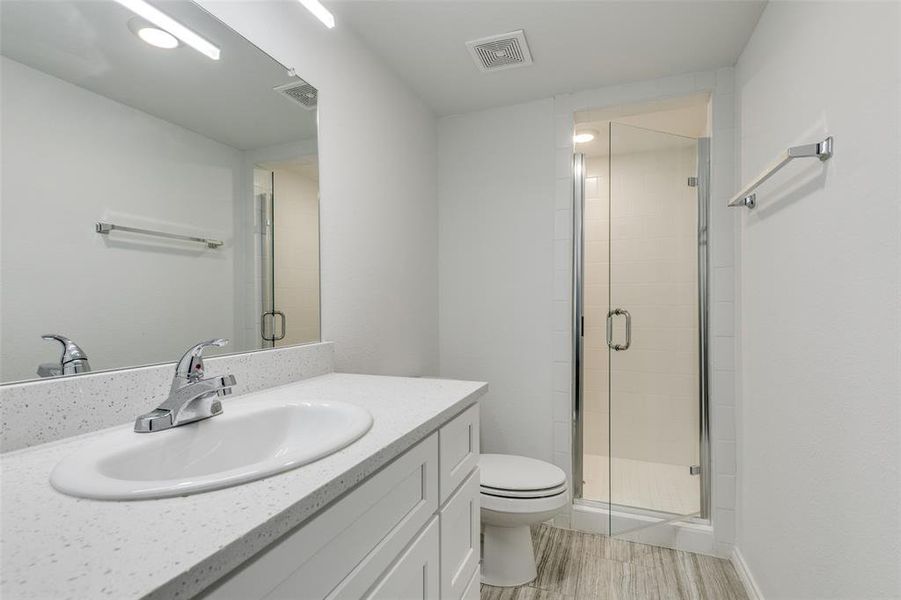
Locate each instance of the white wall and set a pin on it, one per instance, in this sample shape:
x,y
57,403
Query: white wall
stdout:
x,y
496,182
377,145
820,316
71,158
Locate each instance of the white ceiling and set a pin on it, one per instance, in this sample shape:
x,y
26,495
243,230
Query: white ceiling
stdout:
x,y
88,43
576,45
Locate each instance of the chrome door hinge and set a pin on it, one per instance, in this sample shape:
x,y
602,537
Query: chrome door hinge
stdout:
x,y
692,182
694,470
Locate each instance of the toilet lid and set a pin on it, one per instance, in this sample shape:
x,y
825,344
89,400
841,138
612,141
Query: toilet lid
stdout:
x,y
518,473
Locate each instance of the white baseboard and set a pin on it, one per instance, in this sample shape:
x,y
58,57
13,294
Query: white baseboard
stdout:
x,y
744,573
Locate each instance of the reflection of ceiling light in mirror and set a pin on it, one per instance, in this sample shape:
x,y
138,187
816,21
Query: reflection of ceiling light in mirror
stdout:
x,y
152,35
170,25
158,37
319,11
582,137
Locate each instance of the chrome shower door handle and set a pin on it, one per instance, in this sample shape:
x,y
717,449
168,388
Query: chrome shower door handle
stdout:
x,y
626,314
610,343
273,337
279,313
610,315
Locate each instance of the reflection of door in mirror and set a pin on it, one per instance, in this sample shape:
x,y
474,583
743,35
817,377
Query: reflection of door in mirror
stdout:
x,y
288,196
132,219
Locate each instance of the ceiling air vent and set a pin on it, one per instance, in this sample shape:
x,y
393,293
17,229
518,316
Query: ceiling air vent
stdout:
x,y
499,52
301,92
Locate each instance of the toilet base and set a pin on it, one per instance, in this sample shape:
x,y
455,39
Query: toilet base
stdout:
x,y
508,558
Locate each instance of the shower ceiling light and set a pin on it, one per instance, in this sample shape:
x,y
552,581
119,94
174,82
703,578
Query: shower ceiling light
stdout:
x,y
171,26
584,136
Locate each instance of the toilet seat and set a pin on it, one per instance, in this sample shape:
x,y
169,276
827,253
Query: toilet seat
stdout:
x,y
519,474
524,506
518,484
542,493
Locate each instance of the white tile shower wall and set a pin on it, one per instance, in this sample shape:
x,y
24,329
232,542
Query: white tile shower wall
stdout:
x,y
296,251
654,270
722,392
378,178
44,411
249,261
820,427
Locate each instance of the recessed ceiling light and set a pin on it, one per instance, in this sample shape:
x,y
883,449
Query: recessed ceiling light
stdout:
x,y
158,37
582,137
320,12
152,35
170,25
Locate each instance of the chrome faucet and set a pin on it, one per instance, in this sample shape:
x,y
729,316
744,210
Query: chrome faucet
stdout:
x,y
191,397
73,360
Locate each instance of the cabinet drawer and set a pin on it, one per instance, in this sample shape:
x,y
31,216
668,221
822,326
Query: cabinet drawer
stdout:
x,y
415,574
342,551
460,548
458,452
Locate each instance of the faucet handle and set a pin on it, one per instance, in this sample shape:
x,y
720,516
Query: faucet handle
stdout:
x,y
71,350
73,360
191,364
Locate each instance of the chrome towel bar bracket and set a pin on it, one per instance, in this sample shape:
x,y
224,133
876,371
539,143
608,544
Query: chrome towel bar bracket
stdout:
x,y
105,228
748,198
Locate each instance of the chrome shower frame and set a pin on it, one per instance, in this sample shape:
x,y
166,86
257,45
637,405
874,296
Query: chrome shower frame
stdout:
x,y
578,205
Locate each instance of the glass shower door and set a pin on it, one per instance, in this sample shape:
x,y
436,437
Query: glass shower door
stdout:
x,y
269,314
652,326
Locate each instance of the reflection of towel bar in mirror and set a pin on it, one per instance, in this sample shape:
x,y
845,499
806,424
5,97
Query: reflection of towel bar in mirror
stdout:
x,y
105,228
822,150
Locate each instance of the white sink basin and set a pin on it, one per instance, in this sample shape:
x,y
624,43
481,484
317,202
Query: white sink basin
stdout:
x,y
251,439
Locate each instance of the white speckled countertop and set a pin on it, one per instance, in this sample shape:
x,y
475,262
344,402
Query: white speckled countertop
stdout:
x,y
56,546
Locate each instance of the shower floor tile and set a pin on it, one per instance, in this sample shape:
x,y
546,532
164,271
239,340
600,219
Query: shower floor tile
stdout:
x,y
641,484
573,565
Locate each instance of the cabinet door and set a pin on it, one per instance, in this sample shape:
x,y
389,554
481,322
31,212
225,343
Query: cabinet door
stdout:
x,y
460,539
474,587
415,574
458,450
343,550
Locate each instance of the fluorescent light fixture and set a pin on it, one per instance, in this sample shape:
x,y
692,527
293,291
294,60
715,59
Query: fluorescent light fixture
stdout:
x,y
582,137
319,11
167,23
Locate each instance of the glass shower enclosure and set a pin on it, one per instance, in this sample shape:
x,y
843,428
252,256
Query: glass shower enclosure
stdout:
x,y
640,326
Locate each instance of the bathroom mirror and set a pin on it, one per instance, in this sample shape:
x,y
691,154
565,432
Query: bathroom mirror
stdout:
x,y
157,189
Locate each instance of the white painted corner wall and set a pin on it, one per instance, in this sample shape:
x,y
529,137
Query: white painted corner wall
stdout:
x,y
820,276
378,207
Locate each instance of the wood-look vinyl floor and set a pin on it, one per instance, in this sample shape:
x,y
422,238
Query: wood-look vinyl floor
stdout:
x,y
574,565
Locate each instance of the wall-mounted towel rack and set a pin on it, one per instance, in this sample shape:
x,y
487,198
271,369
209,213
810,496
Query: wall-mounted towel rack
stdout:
x,y
105,228
746,197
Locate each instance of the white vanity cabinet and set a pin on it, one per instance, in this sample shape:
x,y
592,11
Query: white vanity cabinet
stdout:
x,y
409,532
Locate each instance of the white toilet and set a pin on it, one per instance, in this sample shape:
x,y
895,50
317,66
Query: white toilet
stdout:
x,y
516,492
